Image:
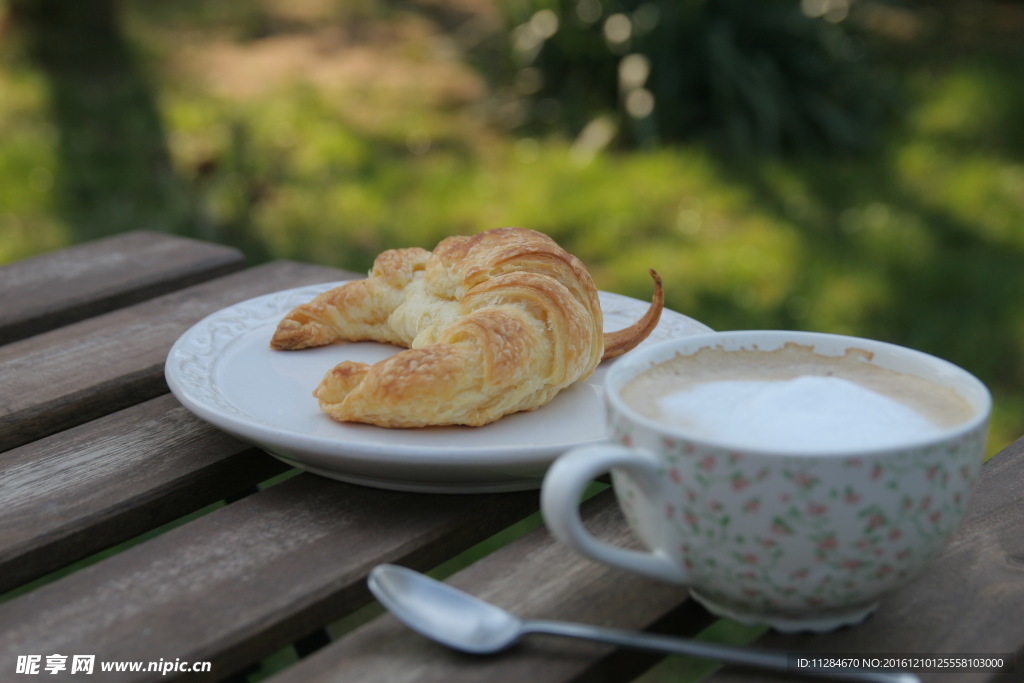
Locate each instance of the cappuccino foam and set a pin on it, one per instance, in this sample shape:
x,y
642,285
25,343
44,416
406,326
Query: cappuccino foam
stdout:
x,y
794,398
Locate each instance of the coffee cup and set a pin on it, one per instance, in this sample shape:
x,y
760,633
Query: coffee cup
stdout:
x,y
791,479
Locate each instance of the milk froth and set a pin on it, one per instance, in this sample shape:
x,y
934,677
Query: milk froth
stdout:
x,y
794,398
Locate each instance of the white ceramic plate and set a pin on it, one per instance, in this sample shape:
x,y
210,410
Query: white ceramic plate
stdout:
x,y
223,370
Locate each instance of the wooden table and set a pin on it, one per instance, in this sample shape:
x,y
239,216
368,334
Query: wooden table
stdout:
x,y
135,532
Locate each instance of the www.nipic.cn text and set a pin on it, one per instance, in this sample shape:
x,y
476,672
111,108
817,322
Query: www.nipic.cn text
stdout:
x,y
87,665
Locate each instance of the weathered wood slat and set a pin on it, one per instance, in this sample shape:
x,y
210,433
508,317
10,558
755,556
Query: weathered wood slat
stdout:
x,y
76,373
248,578
970,600
75,493
73,284
535,577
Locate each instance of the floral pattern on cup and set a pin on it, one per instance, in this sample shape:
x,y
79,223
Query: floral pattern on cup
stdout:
x,y
811,533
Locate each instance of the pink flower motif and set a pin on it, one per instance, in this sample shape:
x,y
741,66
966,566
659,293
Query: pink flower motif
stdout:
x,y
804,481
800,574
931,472
876,521
908,503
750,558
781,528
816,509
828,543
883,571
627,440
752,505
716,506
670,511
926,502
895,535
876,472
851,496
668,442
935,516
674,475
707,463
691,519
852,564
739,482
854,462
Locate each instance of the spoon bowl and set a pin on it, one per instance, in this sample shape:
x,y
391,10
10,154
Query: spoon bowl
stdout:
x,y
462,622
443,613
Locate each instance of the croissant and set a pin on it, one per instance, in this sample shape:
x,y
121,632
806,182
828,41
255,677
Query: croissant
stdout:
x,y
493,324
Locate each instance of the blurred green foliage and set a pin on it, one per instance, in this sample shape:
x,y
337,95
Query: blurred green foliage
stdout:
x,y
766,80
276,137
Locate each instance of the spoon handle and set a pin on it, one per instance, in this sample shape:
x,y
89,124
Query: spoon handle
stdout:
x,y
762,659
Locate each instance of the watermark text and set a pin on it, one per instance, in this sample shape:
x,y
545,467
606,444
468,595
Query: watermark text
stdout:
x,y
88,664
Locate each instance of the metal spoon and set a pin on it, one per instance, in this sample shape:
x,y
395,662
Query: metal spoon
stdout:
x,y
463,622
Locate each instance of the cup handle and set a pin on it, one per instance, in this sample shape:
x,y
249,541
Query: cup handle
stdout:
x,y
563,487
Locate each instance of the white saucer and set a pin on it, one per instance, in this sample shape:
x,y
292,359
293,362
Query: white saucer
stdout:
x,y
223,370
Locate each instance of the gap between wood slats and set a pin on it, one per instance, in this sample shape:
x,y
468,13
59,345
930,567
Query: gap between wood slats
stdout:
x,y
66,568
85,280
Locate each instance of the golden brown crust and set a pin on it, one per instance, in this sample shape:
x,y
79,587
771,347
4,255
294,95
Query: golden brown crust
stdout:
x,y
618,343
494,323
357,310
